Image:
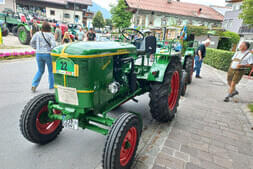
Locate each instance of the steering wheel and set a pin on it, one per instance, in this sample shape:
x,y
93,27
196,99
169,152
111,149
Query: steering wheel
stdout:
x,y
132,34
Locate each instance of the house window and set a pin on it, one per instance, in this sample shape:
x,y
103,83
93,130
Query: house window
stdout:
x,y
151,20
66,15
52,12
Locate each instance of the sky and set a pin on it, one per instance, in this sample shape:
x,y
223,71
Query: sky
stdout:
x,y
106,3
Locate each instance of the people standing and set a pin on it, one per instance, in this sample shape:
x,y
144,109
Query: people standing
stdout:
x,y
91,35
241,60
58,35
200,55
35,28
66,38
80,34
43,42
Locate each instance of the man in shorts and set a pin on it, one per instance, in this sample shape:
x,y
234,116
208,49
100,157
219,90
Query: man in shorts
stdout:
x,y
241,60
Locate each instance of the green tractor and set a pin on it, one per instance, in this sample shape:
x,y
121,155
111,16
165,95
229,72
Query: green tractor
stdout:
x,y
23,33
93,78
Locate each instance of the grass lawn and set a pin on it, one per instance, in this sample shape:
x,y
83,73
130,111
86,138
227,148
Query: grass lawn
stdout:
x,y
251,107
11,47
16,57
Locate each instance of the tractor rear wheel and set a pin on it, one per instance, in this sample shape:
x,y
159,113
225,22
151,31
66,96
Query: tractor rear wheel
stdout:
x,y
184,83
14,30
122,142
164,97
189,65
24,35
35,124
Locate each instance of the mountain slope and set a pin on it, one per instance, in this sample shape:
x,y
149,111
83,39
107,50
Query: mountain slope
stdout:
x,y
95,7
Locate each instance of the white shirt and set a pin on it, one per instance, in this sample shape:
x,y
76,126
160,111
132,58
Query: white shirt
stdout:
x,y
246,60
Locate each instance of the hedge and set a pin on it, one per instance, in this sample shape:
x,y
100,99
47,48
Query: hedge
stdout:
x,y
219,59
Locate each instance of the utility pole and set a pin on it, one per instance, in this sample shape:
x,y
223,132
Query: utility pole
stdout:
x,y
75,11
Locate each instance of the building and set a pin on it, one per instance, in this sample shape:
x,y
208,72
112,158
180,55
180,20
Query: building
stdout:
x,y
160,13
221,9
66,11
233,23
10,4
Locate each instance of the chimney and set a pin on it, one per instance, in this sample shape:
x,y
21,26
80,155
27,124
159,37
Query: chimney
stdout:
x,y
199,11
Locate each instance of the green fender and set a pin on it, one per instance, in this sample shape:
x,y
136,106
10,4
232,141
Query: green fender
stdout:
x,y
157,72
24,25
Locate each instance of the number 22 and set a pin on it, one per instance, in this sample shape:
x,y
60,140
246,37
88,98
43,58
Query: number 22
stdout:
x,y
64,65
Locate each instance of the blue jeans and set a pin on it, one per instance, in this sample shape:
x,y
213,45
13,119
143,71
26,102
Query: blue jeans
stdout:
x,y
42,59
198,65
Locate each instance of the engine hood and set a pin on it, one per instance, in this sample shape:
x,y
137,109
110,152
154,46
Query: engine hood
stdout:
x,y
93,49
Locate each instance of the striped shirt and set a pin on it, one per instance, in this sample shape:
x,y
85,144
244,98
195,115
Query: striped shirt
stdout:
x,y
39,43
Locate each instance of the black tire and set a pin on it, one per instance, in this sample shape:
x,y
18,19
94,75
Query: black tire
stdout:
x,y
162,108
5,32
27,38
189,68
14,30
30,120
116,139
184,83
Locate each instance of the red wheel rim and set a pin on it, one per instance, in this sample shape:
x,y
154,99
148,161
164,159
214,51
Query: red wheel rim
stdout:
x,y
128,146
46,127
172,99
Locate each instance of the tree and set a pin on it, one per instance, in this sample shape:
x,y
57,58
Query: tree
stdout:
x,y
247,12
108,22
98,20
121,17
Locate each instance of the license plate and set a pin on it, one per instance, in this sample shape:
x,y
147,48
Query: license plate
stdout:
x,y
67,95
72,124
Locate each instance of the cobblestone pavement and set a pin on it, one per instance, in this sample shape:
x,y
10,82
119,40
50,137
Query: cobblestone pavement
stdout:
x,y
208,133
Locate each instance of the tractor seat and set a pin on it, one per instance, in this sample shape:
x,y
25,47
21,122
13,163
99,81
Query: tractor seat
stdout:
x,y
146,46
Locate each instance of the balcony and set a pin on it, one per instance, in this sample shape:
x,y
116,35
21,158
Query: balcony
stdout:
x,y
246,30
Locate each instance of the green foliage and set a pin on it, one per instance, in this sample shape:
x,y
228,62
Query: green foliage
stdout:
x,y
224,44
247,12
203,30
250,107
234,37
219,59
121,17
108,22
98,20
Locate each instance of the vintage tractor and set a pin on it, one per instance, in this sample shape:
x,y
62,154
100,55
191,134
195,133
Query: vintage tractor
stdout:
x,y
93,78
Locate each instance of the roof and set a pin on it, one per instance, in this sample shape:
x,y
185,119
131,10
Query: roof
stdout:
x,y
221,9
176,8
64,2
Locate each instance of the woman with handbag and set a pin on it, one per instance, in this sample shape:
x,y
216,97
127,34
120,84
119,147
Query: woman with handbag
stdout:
x,y
241,60
43,42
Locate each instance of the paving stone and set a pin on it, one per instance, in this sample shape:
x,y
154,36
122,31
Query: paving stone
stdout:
x,y
158,167
172,144
226,163
164,160
192,166
168,150
182,156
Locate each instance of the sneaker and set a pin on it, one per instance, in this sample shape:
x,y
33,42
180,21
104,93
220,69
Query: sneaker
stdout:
x,y
226,99
33,89
199,77
234,93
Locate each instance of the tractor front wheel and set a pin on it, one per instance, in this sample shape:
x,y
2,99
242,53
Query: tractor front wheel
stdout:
x,y
15,30
5,31
189,65
24,35
35,124
122,142
164,97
